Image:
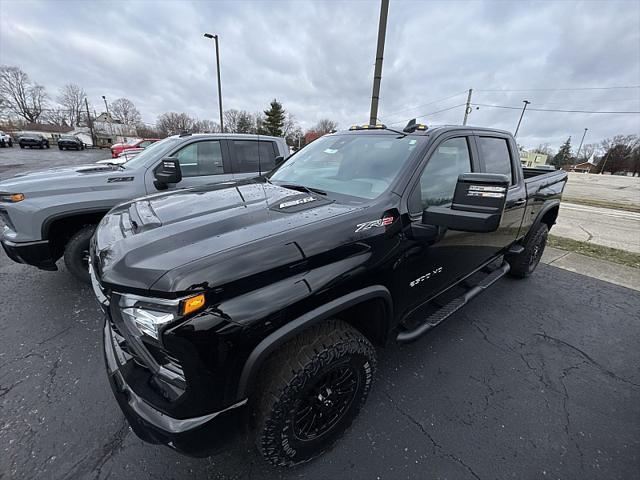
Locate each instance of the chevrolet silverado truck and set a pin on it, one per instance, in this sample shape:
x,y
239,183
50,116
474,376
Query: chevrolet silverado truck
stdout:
x,y
52,213
254,306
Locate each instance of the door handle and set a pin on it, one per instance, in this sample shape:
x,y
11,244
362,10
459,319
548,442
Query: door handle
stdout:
x,y
520,202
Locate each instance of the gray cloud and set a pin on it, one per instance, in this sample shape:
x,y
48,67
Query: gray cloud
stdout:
x,y
317,58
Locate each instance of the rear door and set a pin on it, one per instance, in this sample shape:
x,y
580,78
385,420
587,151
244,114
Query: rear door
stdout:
x,y
203,162
498,154
250,158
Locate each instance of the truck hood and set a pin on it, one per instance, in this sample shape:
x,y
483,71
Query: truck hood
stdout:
x,y
66,179
209,236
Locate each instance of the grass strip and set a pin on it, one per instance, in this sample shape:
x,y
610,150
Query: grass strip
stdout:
x,y
621,257
602,203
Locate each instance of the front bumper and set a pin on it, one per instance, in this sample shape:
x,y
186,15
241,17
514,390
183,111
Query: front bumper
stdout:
x,y
37,253
197,436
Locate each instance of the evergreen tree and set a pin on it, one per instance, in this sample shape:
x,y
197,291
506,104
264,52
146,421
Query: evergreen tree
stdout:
x,y
274,119
563,157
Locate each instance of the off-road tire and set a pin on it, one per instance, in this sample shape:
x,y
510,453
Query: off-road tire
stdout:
x,y
291,376
74,253
524,263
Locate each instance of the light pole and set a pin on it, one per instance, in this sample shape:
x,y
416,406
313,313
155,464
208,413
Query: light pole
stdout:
x,y
526,102
108,116
377,73
215,37
580,147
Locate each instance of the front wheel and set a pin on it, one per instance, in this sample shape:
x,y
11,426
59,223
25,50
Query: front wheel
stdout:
x,y
76,253
524,263
312,390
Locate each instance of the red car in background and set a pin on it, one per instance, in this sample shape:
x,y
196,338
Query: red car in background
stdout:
x,y
118,148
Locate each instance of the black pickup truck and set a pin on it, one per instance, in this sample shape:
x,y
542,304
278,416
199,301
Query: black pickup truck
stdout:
x,y
257,303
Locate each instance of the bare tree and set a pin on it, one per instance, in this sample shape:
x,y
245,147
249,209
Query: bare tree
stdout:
x,y
171,123
206,126
325,126
289,126
20,95
124,110
56,116
245,123
147,131
231,120
543,149
72,99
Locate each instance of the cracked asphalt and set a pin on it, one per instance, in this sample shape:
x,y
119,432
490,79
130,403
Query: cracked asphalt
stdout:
x,y
534,379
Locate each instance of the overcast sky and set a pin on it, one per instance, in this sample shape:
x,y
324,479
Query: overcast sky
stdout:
x,y
317,59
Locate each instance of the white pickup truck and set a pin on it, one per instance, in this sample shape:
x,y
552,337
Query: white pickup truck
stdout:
x,y
5,140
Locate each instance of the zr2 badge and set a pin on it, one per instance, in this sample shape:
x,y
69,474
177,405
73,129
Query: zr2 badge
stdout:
x,y
382,222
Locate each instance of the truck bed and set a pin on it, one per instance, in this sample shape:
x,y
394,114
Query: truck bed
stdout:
x,y
537,179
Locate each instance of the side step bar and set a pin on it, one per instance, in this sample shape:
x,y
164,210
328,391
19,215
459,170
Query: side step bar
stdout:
x,y
453,306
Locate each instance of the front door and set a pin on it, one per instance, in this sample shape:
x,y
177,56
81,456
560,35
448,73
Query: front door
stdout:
x,y
426,268
202,162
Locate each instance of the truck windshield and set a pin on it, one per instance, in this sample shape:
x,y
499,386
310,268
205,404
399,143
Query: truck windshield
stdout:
x,y
362,166
151,151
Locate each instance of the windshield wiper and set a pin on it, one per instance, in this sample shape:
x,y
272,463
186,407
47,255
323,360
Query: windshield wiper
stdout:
x,y
301,188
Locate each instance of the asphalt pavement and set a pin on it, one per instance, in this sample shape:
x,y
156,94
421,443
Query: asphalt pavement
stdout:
x,y
18,160
535,378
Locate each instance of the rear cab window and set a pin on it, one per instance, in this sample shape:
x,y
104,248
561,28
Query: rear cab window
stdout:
x,y
253,156
496,157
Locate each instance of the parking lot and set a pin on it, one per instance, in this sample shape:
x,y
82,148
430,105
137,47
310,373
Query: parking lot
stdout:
x,y
533,379
17,160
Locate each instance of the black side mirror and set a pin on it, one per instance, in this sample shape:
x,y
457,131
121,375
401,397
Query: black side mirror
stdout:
x,y
168,171
279,160
478,203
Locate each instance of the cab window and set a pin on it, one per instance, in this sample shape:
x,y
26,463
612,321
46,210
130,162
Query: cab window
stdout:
x,y
495,154
438,180
201,158
253,156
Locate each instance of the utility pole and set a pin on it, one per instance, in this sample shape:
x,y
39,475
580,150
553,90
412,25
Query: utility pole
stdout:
x,y
215,37
526,102
90,123
377,74
580,147
467,108
109,117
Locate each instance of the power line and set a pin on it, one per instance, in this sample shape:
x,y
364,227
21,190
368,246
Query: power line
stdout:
x,y
557,89
430,113
554,110
425,104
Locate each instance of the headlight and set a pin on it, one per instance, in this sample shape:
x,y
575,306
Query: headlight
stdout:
x,y
148,316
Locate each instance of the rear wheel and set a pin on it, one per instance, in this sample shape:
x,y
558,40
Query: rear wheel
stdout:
x,y
61,148
312,389
524,263
76,253
21,146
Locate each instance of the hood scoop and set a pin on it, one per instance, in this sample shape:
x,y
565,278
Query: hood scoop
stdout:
x,y
94,168
142,217
298,203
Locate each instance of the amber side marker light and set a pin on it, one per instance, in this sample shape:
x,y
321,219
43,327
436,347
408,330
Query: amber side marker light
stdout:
x,y
12,197
192,304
